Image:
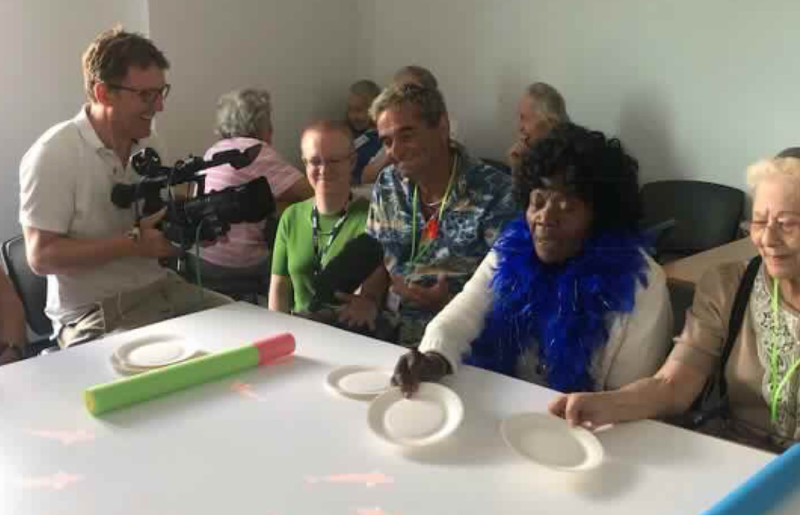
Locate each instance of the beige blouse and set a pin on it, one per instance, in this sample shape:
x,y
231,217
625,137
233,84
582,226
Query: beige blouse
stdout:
x,y
700,346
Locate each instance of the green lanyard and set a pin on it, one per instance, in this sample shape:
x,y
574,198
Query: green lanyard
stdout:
x,y
415,208
319,253
776,386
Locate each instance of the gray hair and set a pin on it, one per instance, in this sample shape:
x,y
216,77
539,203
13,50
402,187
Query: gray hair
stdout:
x,y
788,167
244,113
430,102
420,74
549,102
365,88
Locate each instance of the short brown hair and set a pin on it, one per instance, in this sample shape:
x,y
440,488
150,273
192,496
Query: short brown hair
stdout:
x,y
421,75
113,52
429,101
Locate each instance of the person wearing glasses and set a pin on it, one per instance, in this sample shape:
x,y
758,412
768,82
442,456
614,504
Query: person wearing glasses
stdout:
x,y
762,371
312,232
101,263
435,209
567,297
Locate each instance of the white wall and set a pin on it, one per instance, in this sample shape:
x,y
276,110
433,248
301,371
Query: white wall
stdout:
x,y
694,89
303,52
40,77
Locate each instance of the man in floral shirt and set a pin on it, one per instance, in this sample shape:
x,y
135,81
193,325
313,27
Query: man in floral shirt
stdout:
x,y
436,210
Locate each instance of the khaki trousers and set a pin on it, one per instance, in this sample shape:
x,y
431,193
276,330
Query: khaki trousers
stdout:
x,y
164,299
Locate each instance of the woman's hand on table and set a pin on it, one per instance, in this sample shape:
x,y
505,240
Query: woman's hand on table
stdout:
x,y
415,367
589,410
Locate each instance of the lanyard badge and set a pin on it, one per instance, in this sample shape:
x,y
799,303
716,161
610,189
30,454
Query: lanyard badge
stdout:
x,y
430,231
319,253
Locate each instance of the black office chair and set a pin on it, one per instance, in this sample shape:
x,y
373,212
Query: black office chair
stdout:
x,y
32,291
705,215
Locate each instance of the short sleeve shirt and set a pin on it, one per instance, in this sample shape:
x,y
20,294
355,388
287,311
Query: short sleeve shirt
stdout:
x,y
66,179
479,205
246,246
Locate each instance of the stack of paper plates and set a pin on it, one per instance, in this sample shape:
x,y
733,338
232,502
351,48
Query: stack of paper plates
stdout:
x,y
150,353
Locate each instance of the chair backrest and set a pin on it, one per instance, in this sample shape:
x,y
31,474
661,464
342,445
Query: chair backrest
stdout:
x,y
31,288
706,215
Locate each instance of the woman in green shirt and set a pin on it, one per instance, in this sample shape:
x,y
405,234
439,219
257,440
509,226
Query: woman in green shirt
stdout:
x,y
312,232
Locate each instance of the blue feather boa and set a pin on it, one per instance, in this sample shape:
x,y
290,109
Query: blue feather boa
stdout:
x,y
563,307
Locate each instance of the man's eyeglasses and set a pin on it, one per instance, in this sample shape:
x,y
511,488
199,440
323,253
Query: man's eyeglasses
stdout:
x,y
149,95
316,162
787,225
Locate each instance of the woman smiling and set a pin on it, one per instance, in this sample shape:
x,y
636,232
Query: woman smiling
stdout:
x,y
761,372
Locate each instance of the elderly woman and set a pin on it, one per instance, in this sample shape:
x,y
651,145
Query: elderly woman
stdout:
x,y
761,373
244,120
539,110
566,298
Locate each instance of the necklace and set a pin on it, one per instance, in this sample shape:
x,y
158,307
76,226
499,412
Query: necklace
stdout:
x,y
432,227
776,385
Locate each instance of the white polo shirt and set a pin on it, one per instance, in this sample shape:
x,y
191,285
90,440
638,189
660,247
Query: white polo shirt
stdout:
x,y
66,179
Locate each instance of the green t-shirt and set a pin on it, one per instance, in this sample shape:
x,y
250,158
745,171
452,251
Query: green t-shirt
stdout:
x,y
294,249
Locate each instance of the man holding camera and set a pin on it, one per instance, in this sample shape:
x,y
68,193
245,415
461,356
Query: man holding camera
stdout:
x,y
101,263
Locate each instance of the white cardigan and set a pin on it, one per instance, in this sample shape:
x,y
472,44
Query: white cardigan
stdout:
x,y
638,342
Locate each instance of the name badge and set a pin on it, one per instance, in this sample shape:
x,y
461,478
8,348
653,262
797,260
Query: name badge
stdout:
x,y
360,141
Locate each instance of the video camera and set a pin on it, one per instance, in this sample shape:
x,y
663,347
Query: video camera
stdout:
x,y
205,217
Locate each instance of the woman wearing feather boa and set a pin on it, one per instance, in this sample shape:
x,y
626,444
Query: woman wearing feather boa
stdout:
x,y
567,298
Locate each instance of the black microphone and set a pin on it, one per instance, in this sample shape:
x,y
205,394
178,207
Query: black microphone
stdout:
x,y
347,270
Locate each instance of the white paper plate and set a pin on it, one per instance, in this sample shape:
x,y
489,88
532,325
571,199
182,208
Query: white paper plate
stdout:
x,y
154,352
356,382
550,441
432,414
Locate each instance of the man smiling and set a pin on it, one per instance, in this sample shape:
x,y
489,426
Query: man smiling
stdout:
x,y
101,263
436,210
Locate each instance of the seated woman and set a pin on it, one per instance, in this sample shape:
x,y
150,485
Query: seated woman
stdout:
x,y
761,373
567,297
312,232
244,120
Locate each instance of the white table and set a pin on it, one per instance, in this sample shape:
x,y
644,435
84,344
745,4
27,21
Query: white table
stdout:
x,y
278,449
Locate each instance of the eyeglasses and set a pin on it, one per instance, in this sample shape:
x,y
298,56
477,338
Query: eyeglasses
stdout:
x,y
148,95
786,225
316,162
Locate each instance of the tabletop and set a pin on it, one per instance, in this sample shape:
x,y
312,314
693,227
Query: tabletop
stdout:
x,y
273,441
